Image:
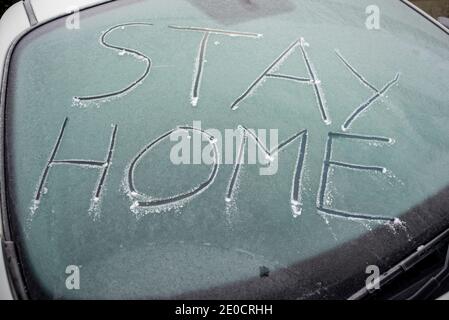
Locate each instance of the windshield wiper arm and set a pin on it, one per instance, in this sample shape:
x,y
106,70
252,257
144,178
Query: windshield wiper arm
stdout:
x,y
421,252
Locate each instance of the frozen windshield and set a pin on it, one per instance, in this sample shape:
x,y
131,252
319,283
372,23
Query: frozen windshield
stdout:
x,y
182,149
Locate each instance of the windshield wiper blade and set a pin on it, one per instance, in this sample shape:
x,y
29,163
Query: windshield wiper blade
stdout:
x,y
434,282
405,265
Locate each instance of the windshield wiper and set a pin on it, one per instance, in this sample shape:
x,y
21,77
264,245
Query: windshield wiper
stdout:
x,y
434,282
408,263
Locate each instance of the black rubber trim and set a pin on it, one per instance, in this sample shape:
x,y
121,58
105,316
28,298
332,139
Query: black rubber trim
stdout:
x,y
30,12
14,270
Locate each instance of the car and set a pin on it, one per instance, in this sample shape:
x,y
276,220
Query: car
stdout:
x,y
444,21
223,150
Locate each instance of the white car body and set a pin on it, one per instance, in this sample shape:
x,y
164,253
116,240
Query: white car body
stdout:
x,y
17,20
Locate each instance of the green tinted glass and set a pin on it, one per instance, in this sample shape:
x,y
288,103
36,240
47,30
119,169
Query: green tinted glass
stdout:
x,y
355,124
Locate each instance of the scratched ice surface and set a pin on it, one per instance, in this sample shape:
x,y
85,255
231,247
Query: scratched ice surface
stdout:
x,y
206,242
